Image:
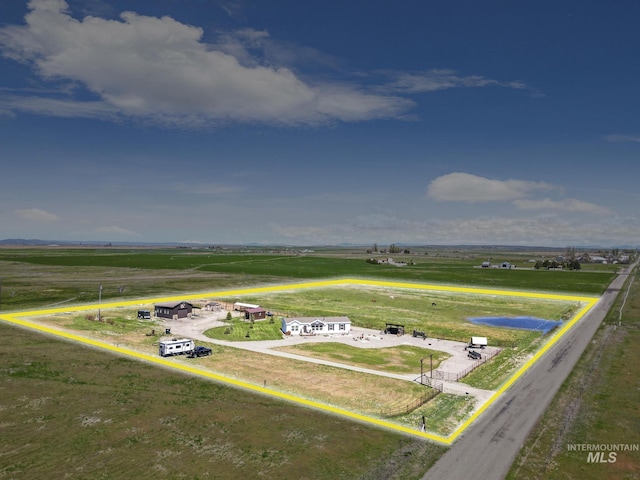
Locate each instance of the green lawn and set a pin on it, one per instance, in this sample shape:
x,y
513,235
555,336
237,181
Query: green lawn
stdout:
x,y
241,330
401,359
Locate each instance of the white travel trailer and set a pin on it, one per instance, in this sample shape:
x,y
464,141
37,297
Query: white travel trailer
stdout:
x,y
241,307
176,347
478,342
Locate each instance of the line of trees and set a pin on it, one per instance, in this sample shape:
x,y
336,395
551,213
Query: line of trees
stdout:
x,y
393,248
567,265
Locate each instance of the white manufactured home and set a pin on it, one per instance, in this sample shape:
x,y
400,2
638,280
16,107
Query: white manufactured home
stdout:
x,y
176,347
316,325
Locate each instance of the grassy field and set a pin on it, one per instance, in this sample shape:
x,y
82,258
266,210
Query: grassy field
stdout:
x,y
129,273
443,414
597,404
245,331
401,359
373,307
74,412
328,385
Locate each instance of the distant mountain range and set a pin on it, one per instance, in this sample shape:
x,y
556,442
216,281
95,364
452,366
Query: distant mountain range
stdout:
x,y
90,243
102,243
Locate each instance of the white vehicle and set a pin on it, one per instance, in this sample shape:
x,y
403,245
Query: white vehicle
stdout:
x,y
478,342
180,346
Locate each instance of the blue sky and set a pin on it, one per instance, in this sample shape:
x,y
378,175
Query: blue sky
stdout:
x,y
320,122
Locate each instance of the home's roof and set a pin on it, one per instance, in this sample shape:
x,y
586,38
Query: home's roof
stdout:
x,y
310,320
172,304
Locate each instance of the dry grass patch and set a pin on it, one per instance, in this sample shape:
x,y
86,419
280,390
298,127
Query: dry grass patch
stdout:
x,y
400,359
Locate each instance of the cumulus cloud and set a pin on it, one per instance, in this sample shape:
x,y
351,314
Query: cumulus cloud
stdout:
x,y
37,215
159,70
564,205
465,187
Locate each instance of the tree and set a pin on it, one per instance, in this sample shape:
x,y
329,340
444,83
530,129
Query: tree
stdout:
x,y
574,265
229,316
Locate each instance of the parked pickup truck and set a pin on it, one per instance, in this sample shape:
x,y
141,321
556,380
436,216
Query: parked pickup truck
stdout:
x,y
200,351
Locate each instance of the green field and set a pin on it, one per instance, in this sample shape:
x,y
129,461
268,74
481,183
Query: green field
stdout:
x,y
131,273
75,410
401,359
245,331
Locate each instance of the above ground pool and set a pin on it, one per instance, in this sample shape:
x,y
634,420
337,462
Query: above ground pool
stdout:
x,y
526,323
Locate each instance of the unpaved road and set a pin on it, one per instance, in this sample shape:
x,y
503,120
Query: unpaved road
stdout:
x,y
489,446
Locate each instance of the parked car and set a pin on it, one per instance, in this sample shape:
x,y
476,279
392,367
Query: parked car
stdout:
x,y
201,351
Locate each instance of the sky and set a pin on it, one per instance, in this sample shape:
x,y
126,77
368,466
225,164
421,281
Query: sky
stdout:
x,y
321,122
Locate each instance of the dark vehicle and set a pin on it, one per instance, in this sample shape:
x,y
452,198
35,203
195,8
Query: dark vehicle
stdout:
x,y
200,351
474,355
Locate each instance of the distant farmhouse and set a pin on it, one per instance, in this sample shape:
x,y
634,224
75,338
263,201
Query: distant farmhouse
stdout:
x,y
315,326
174,310
506,265
386,261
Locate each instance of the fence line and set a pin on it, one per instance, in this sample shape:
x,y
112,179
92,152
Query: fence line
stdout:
x,y
412,406
430,382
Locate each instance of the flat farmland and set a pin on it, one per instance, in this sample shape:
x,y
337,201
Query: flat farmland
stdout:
x,y
131,418
42,276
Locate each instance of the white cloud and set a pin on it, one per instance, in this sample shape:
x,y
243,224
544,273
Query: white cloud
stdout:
x,y
465,187
159,70
37,215
564,205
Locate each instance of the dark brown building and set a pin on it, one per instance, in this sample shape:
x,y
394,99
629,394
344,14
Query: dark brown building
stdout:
x,y
257,313
173,310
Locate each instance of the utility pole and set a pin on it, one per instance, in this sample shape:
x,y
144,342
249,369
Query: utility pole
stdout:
x,y
421,369
431,359
99,300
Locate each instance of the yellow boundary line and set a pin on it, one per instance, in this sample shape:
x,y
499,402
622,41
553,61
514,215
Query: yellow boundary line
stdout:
x,y
589,302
